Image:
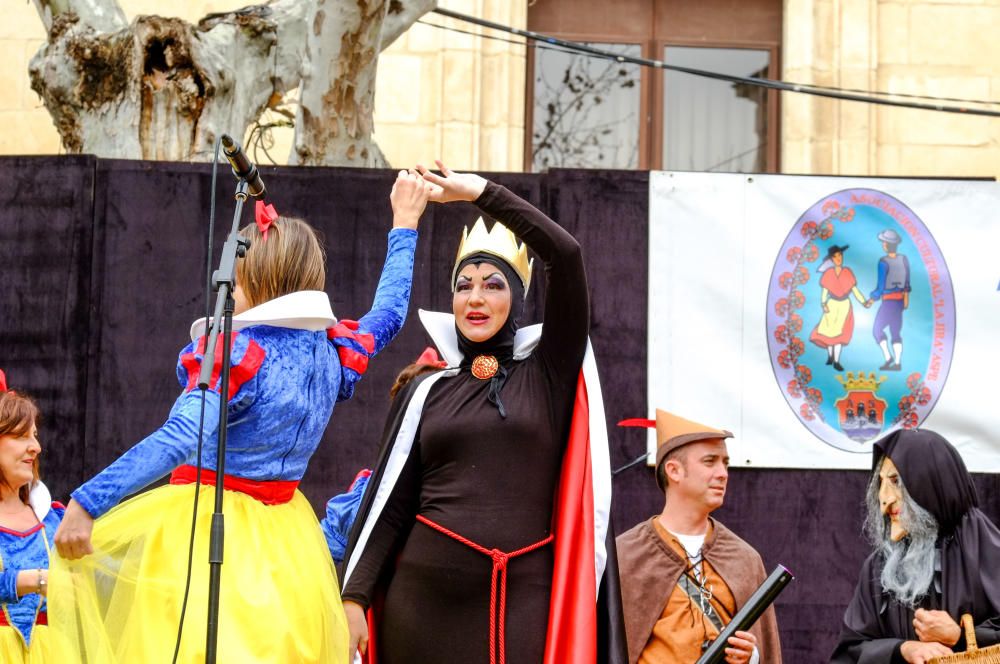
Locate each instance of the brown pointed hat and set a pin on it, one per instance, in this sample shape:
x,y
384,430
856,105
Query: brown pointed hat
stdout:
x,y
673,432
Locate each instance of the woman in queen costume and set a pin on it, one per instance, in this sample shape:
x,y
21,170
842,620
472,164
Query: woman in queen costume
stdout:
x,y
120,597
487,514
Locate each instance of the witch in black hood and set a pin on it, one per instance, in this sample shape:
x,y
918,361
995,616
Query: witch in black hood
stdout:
x,y
936,557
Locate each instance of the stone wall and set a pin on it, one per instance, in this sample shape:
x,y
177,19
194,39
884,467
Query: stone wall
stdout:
x,y
945,48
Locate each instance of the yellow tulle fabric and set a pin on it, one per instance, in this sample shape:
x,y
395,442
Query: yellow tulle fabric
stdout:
x,y
279,596
44,649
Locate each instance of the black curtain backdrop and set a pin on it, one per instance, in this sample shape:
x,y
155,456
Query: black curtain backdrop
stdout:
x,y
103,271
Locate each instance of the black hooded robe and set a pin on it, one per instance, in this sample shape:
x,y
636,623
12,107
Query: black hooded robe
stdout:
x,y
875,624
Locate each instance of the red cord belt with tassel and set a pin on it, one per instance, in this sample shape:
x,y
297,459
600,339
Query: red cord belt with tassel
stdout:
x,y
500,559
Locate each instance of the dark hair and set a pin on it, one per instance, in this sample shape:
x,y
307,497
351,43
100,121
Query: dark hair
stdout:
x,y
408,373
679,454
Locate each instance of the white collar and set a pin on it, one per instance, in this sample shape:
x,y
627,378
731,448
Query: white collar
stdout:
x,y
441,328
40,500
301,310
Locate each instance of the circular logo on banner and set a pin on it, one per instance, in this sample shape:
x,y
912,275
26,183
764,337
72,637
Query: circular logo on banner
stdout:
x,y
860,318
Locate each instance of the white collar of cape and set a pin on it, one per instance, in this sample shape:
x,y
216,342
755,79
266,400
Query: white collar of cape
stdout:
x,y
441,328
301,310
40,500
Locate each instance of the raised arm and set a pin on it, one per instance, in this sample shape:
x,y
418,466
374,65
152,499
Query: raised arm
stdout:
x,y
567,296
392,297
153,457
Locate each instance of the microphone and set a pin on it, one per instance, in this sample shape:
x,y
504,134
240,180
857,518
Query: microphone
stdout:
x,y
242,166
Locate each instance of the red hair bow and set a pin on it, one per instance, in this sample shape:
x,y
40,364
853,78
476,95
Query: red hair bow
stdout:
x,y
264,215
3,381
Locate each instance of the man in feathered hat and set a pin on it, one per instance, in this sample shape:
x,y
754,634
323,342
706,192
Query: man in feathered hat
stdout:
x,y
683,574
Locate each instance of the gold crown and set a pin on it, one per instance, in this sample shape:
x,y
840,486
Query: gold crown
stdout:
x,y
851,382
498,241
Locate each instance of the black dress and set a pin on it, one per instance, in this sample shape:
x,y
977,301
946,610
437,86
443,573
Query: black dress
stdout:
x,y
488,478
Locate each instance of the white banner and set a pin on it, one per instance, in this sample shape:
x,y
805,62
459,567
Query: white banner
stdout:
x,y
813,315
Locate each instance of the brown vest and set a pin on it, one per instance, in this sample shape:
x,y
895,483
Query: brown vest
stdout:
x,y
650,567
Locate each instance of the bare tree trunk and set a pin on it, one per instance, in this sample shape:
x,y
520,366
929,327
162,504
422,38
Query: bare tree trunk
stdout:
x,y
162,88
335,119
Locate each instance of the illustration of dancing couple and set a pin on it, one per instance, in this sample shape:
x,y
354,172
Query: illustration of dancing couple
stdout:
x,y
838,283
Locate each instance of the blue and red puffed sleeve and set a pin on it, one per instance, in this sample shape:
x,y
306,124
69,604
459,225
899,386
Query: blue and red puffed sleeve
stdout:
x,y
359,341
174,443
341,511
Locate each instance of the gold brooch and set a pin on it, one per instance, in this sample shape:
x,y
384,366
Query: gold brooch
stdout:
x,y
485,367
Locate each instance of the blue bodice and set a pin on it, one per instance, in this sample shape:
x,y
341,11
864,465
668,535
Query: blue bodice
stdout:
x,y
283,386
21,551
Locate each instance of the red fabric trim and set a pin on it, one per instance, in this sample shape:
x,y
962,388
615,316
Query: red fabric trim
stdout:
x,y
572,632
239,373
270,492
371,654
247,368
363,473
58,505
352,359
349,329
41,619
191,364
22,533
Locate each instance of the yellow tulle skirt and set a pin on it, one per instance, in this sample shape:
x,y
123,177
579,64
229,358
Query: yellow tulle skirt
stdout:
x,y
44,649
279,597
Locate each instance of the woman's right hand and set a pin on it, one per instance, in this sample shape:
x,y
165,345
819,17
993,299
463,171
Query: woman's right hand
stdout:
x,y
409,197
453,186
918,652
357,625
73,535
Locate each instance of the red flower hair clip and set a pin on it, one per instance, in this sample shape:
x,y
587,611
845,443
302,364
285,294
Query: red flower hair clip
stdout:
x,y
264,215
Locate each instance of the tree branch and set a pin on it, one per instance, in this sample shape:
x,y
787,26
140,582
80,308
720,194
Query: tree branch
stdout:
x,y
100,15
400,16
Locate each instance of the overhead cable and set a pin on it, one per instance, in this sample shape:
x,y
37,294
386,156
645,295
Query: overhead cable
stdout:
x,y
845,94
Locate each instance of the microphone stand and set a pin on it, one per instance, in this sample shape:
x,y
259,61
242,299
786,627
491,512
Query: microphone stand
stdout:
x,y
223,281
